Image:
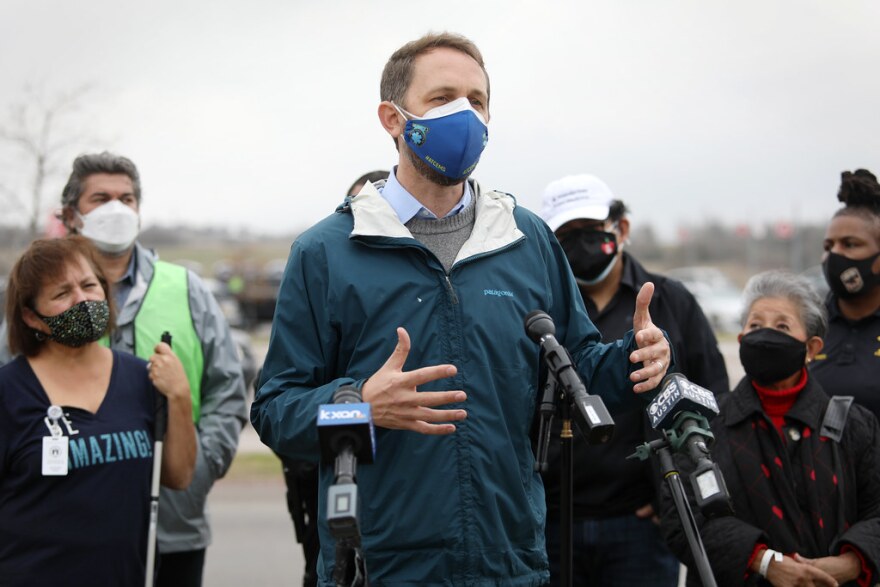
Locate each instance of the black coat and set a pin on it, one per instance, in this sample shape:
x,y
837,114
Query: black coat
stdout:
x,y
807,495
606,483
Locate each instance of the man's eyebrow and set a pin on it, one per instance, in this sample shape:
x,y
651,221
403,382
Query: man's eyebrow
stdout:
x,y
451,89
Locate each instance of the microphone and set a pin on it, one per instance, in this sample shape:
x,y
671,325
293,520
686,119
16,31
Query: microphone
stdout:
x,y
346,435
591,417
682,410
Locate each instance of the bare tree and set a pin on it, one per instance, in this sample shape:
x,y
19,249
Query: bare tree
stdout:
x,y
38,138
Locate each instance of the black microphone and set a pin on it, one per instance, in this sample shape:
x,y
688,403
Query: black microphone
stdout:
x,y
591,417
682,410
346,435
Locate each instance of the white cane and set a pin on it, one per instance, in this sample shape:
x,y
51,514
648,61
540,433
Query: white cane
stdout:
x,y
158,438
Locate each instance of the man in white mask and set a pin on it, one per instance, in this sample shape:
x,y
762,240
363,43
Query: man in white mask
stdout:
x,y
102,202
616,540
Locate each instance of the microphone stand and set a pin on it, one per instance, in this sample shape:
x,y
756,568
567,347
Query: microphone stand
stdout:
x,y
549,406
662,448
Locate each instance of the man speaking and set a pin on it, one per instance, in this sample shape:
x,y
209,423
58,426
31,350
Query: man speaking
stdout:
x,y
414,291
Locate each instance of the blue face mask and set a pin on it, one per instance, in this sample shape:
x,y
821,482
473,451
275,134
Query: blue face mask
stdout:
x,y
449,138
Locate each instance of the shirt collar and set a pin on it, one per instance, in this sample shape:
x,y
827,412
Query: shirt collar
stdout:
x,y
408,207
129,275
834,312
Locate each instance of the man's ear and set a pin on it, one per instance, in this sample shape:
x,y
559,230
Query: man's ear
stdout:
x,y
623,229
392,121
70,219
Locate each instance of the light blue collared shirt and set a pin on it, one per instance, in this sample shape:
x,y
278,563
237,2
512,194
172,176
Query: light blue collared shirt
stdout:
x,y
123,287
407,207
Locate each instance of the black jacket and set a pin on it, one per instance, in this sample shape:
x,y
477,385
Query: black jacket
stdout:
x,y
808,494
606,483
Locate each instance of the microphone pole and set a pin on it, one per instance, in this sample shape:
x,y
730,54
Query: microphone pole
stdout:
x,y
662,448
566,497
680,411
550,404
564,386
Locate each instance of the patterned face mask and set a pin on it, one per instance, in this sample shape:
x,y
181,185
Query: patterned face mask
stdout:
x,y
80,324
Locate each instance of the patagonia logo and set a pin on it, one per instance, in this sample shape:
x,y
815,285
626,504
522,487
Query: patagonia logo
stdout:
x,y
501,293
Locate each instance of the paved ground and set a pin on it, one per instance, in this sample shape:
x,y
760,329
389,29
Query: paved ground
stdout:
x,y
254,544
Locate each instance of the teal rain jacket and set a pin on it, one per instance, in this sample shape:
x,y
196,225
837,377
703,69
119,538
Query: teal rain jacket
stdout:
x,y
462,509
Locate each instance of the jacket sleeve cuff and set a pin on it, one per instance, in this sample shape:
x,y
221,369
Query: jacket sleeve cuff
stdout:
x,y
867,573
758,548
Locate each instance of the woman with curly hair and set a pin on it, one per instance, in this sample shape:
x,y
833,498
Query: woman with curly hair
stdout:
x,y
850,361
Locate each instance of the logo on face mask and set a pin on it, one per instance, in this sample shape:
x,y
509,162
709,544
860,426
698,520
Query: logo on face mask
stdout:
x,y
849,278
592,254
418,135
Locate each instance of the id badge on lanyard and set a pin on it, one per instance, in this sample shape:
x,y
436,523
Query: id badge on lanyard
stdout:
x,y
55,446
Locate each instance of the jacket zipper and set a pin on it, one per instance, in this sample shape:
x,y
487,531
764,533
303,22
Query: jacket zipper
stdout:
x,y
451,289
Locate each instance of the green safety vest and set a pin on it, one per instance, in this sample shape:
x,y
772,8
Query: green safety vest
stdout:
x,y
165,308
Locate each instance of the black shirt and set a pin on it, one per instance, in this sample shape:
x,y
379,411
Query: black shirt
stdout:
x,y
605,482
849,363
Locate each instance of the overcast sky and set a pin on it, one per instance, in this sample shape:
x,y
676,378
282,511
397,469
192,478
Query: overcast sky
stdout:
x,y
260,114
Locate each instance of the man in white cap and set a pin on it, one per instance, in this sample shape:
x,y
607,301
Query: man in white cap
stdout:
x,y
615,535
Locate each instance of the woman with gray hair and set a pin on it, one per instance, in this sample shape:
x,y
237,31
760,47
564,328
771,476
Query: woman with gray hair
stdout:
x,y
803,472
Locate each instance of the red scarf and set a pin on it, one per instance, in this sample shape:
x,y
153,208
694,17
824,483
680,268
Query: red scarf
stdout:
x,y
777,402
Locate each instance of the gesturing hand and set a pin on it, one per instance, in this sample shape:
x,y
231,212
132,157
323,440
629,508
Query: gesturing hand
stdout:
x,y
653,348
396,403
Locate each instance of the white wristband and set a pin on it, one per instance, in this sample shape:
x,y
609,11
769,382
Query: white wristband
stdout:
x,y
769,555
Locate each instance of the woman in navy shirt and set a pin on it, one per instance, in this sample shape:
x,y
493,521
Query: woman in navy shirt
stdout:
x,y
76,422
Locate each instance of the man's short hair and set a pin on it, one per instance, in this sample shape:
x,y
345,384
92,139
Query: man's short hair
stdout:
x,y
90,164
398,72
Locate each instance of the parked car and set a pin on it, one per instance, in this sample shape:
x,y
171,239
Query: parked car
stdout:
x,y
258,292
718,296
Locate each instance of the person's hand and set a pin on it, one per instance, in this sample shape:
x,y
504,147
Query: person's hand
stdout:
x,y
791,573
167,374
844,567
396,403
647,511
653,348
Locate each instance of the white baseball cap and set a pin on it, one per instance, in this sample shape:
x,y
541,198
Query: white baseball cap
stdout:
x,y
574,197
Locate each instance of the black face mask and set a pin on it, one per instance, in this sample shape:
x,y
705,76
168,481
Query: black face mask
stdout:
x,y
590,253
80,324
849,278
769,355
